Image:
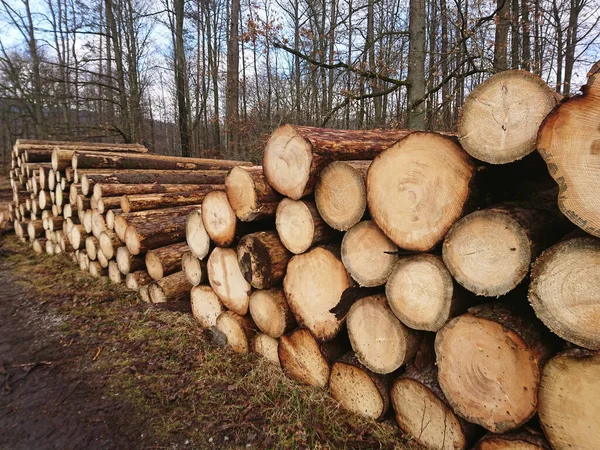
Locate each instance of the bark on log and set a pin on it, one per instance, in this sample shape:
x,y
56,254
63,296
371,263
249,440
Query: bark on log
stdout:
x,y
341,193
569,400
172,288
194,268
135,280
313,285
163,261
262,259
489,365
219,219
267,347
250,195
109,243
127,262
418,188
368,254
144,293
489,252
142,237
196,236
226,279
380,341
358,389
102,190
568,142
62,155
35,228
270,311
106,203
564,290
122,221
238,330
206,306
132,203
295,155
500,118
300,226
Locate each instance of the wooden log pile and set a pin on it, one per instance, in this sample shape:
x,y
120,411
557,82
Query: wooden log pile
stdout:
x,y
427,277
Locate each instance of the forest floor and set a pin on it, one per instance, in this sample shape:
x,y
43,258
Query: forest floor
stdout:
x,y
86,364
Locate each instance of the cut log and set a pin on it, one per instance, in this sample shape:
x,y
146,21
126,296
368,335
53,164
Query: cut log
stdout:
x,y
110,218
77,236
368,254
313,285
500,118
91,247
569,400
172,288
568,142
114,274
358,389
250,195
194,268
341,193
418,188
516,440
96,270
262,259
302,360
226,279
489,252
206,306
489,365
135,280
196,236
142,237
267,347
144,293
55,223
89,178
35,228
421,293
300,226
295,155
109,243
132,203
102,259
102,190
87,221
219,219
237,329
129,263
61,156
122,221
565,293
98,224
50,247
106,203
39,245
163,261
381,342
271,313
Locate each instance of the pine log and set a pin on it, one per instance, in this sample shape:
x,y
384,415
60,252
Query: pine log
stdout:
x,y
34,155
35,228
122,221
489,365
39,245
90,177
110,218
83,203
109,242
96,270
132,203
262,259
127,262
226,279
341,193
368,254
194,268
91,247
418,188
219,219
44,201
55,223
250,195
196,236
267,347
114,274
68,211
135,280
421,293
295,155
569,400
62,155
300,226
163,261
77,236
50,248
206,306
98,224
144,293
142,237
102,190
238,330
568,142
313,285
270,311
489,251
564,290
358,389
172,288
87,221
102,259
516,440
106,203
380,341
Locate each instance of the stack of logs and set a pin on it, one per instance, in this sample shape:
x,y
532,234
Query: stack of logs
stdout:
x,y
431,276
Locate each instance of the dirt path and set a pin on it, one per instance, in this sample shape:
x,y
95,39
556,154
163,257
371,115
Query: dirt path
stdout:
x,y
45,401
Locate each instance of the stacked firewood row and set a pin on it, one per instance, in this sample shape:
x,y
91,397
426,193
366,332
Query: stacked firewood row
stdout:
x,y
432,277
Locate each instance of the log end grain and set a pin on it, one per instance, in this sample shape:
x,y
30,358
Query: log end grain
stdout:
x,y
301,358
226,279
206,306
218,218
196,236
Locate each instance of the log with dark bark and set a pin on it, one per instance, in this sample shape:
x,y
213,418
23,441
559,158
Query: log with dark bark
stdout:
x,y
568,141
250,195
163,261
300,226
142,237
206,306
418,188
127,262
501,116
194,268
118,189
313,285
262,259
196,236
295,155
270,311
238,330
122,221
172,288
267,347
62,155
219,219
489,252
135,280
380,341
226,279
358,389
341,193
489,365
368,254
143,202
564,290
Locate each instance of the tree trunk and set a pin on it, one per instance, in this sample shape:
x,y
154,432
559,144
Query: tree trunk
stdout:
x,y
170,289
142,237
102,190
232,90
181,79
122,221
144,202
249,194
270,311
262,259
206,306
164,261
226,279
501,37
416,66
